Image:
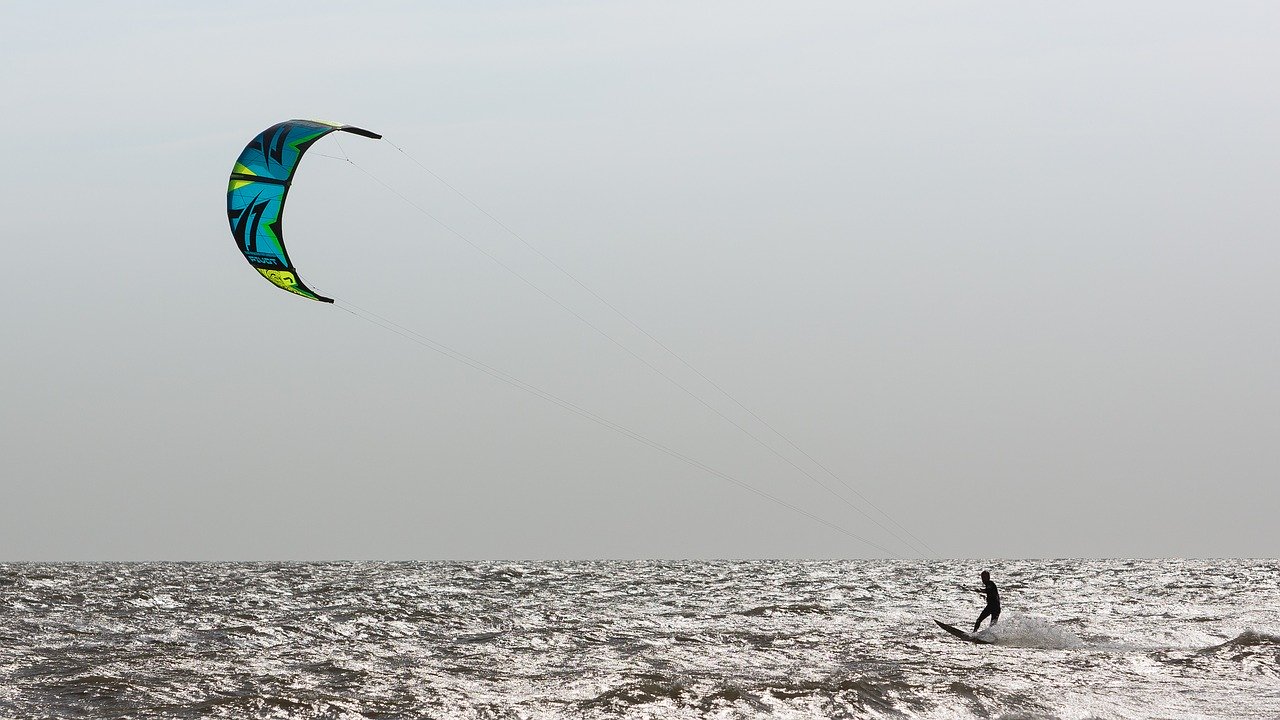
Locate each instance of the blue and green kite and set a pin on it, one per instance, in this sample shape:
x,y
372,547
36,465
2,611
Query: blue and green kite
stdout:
x,y
256,193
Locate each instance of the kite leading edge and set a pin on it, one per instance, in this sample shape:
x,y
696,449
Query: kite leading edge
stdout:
x,y
256,193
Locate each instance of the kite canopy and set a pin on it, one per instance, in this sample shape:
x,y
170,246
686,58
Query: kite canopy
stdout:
x,y
256,193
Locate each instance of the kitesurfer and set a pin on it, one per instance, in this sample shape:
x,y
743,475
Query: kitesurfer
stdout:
x,y
993,601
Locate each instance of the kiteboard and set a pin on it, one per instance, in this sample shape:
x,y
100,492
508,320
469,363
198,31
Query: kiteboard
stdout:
x,y
962,634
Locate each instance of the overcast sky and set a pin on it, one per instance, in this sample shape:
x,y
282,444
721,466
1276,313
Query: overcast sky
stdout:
x,y
1008,269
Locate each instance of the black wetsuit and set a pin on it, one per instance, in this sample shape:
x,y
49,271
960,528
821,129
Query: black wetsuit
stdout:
x,y
993,604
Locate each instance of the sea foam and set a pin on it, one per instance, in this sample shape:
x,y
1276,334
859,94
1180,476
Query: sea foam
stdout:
x,y
1030,632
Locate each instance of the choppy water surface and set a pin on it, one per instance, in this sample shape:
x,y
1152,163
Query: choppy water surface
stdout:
x,y
1078,639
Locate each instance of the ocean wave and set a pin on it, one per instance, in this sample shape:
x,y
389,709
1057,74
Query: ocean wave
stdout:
x,y
786,609
862,693
641,691
1252,651
1247,640
864,696
622,640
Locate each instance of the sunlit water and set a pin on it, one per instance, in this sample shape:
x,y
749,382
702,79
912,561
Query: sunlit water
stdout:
x,y
785,639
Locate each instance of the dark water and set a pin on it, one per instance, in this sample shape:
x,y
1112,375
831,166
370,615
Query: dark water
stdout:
x,y
788,639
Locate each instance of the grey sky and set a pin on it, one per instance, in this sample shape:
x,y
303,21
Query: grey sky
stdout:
x,y
1007,268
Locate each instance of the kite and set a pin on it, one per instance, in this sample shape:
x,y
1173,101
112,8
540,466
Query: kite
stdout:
x,y
259,184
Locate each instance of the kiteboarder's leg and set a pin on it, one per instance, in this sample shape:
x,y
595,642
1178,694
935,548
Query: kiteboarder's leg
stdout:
x,y
987,611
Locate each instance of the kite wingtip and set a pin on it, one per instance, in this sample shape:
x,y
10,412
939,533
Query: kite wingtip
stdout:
x,y
361,131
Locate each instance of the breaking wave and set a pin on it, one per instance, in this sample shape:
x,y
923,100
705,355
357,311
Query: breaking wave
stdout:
x,y
1247,641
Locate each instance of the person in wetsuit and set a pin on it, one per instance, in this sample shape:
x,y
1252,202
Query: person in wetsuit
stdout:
x,y
993,601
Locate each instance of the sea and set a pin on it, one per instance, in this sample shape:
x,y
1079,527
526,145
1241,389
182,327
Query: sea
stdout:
x,y
639,639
